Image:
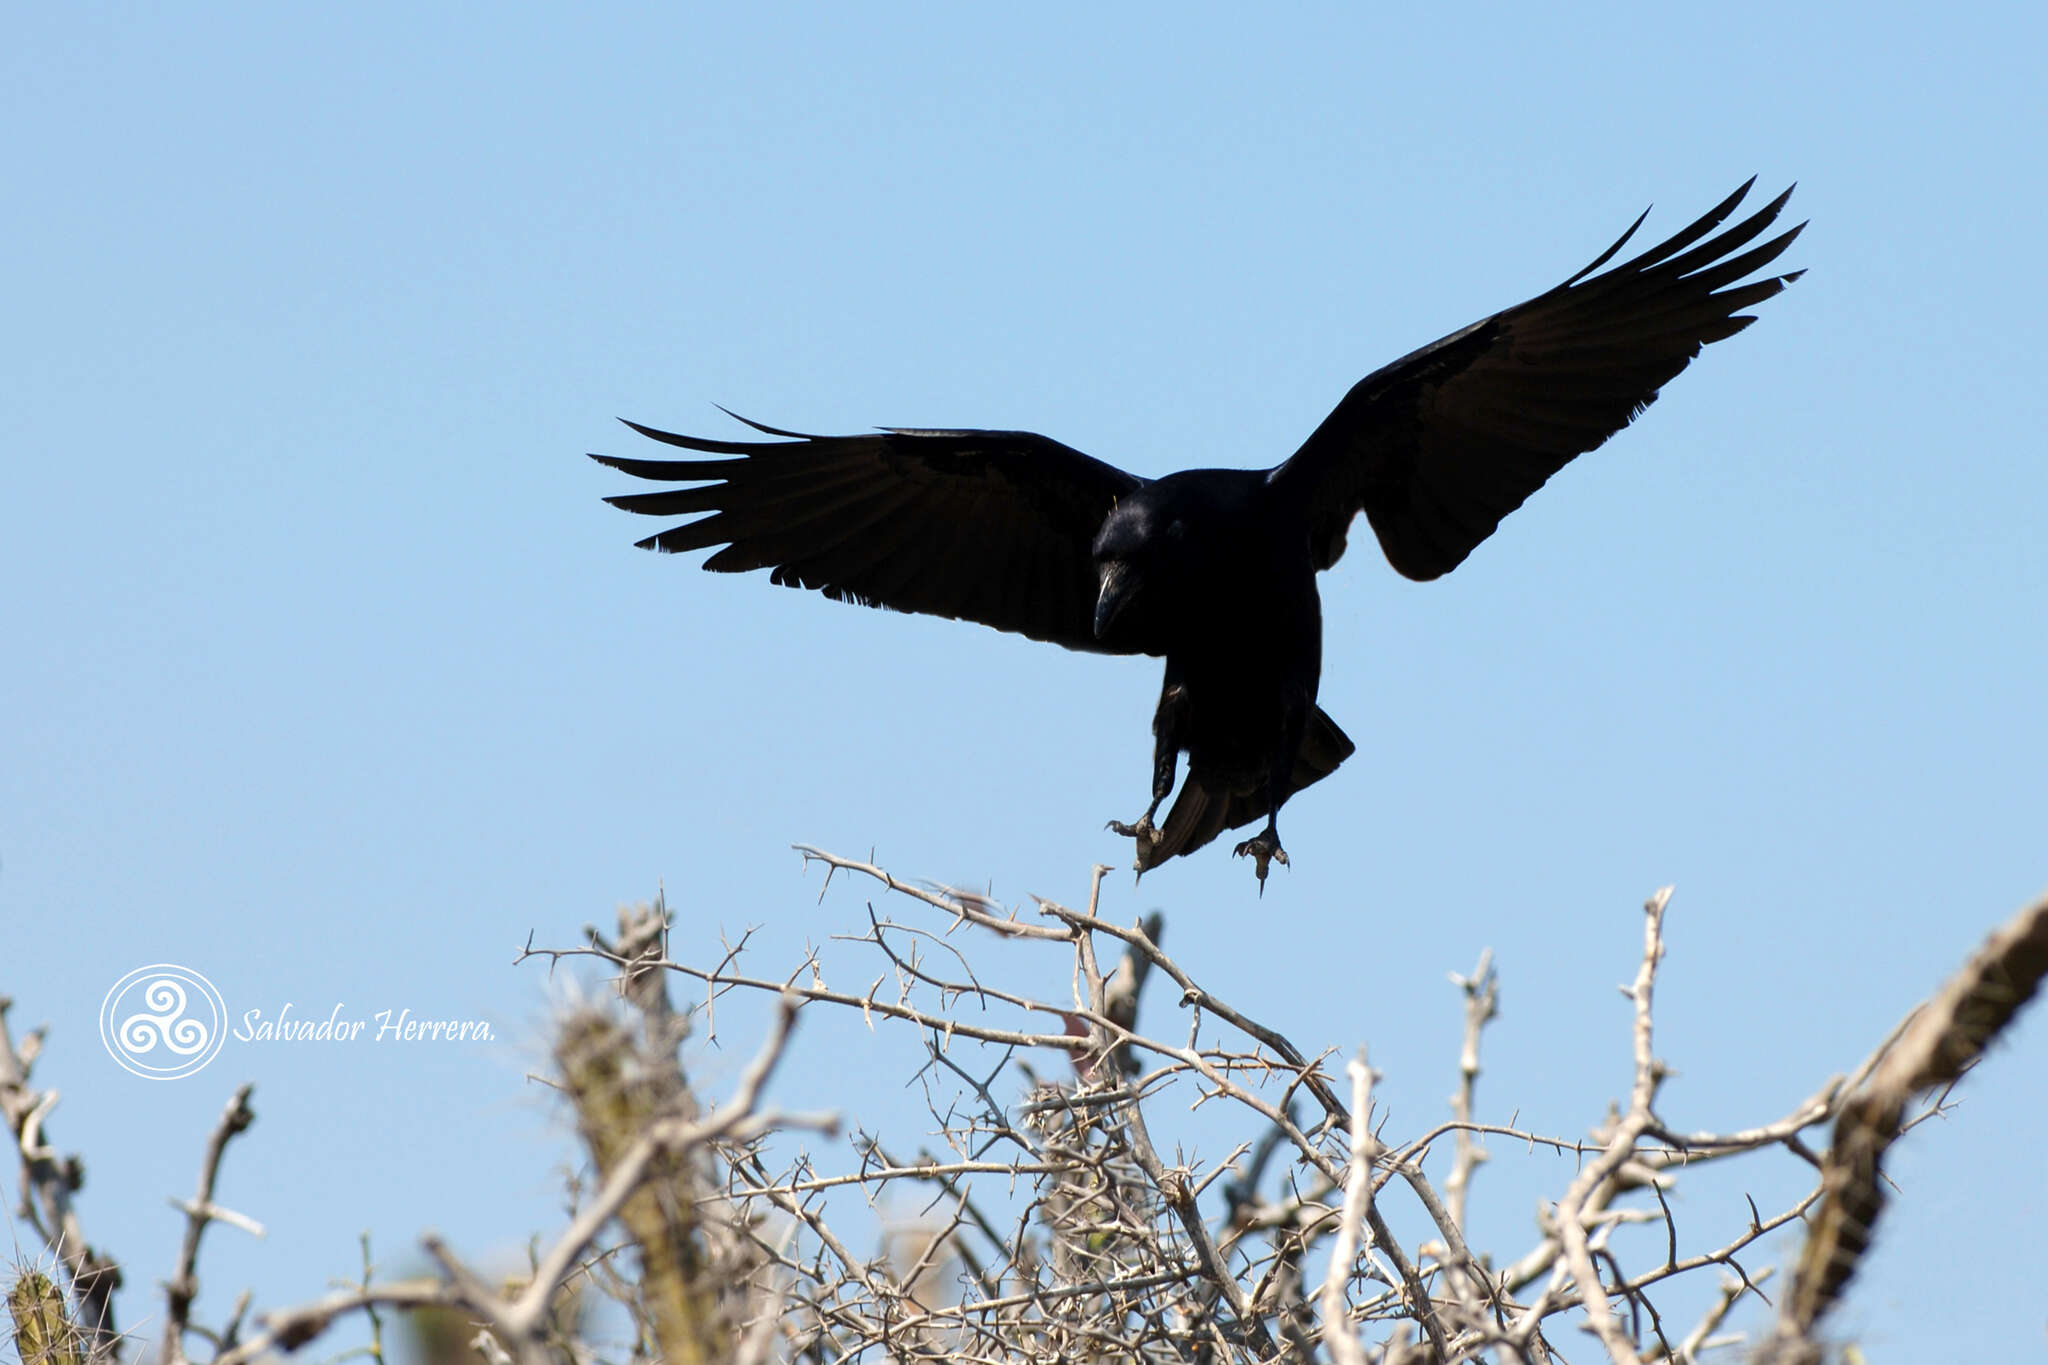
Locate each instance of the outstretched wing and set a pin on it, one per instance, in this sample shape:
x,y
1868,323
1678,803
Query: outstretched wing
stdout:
x,y
988,526
1440,445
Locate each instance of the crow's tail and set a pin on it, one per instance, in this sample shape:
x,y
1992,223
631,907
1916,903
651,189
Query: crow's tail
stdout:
x,y
1201,812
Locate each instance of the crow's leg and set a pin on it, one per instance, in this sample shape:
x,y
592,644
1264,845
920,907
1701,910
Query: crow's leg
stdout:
x,y
1264,847
1169,733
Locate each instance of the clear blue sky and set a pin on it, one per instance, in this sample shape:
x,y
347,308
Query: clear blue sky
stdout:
x,y
327,673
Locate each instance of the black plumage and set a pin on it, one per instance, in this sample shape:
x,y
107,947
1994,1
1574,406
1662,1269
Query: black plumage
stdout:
x,y
1215,569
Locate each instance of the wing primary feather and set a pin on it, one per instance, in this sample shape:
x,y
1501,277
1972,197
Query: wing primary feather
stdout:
x,y
674,471
669,503
764,427
708,444
1604,257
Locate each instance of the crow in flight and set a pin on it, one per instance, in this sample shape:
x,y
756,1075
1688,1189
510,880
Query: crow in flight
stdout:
x,y
1215,569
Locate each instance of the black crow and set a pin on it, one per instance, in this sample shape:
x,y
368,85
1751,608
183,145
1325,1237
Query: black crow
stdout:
x,y
1215,569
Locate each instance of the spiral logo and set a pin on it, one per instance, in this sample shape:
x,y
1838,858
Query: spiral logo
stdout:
x,y
163,1022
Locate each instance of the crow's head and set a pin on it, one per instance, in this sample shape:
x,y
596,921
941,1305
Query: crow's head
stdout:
x,y
1133,556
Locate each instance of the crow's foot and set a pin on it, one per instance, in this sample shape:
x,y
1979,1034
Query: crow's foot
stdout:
x,y
1263,849
1144,832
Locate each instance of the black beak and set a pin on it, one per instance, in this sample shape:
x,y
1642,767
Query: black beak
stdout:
x,y
1118,583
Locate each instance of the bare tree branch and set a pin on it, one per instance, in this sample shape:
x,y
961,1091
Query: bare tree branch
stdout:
x,y
183,1287
1058,1211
